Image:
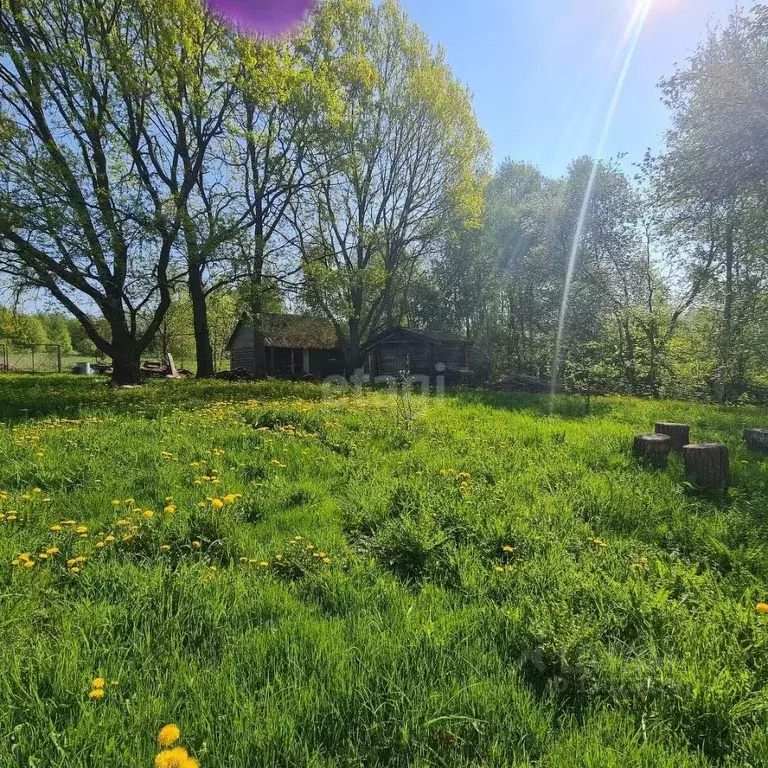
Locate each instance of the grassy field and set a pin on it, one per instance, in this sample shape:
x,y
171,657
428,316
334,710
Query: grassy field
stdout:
x,y
300,580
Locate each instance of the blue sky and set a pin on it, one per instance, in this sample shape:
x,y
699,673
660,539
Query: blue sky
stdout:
x,y
543,72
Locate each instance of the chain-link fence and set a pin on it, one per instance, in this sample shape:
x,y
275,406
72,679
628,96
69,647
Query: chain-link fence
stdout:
x,y
30,358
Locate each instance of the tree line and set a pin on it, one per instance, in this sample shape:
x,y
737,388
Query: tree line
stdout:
x,y
159,170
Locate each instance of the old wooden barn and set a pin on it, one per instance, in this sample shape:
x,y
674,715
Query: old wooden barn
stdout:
x,y
294,345
421,353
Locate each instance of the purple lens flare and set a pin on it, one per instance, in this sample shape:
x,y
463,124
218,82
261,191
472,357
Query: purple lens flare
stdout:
x,y
265,17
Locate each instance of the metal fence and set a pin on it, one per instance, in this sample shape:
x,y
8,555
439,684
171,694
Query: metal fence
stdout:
x,y
30,358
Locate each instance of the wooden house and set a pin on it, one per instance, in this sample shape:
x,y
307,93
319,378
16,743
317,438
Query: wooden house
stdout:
x,y
421,353
294,345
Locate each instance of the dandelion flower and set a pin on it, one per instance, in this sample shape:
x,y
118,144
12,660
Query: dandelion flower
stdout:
x,y
52,550
97,694
55,528
217,503
165,547
29,564
177,757
109,538
169,510
99,544
230,498
762,607
264,564
509,549
196,545
169,734
98,682
148,514
327,560
498,569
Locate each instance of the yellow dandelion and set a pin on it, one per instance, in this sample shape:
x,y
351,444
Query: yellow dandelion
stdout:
x,y
762,607
55,528
169,734
97,682
509,549
230,498
68,522
42,556
116,502
109,538
52,551
196,545
29,564
177,757
498,569
169,510
148,514
264,564
100,544
15,562
97,694
327,560
217,503
165,547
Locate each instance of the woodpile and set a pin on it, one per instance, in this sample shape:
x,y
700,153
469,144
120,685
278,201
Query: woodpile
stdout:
x,y
679,433
707,465
653,449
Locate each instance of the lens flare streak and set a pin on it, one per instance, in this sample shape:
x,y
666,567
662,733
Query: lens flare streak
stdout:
x,y
632,36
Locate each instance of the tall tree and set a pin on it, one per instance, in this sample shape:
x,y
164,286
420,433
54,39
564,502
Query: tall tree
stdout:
x,y
404,153
94,182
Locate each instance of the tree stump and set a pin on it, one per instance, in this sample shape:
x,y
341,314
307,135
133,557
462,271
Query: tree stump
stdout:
x,y
653,449
707,465
756,439
680,433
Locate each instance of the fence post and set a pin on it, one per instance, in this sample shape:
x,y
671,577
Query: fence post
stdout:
x,y
33,357
58,356
5,358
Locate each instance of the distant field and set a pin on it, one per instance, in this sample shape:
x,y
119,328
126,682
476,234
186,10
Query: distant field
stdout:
x,y
323,582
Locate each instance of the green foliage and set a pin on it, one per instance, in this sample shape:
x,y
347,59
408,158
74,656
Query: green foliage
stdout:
x,y
505,588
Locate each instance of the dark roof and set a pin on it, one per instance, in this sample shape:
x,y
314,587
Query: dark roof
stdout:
x,y
293,332
399,331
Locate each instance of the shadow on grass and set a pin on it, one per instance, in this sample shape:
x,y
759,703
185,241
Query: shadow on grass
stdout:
x,y
34,396
565,406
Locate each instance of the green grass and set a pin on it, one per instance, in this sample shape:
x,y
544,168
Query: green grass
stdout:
x,y
410,646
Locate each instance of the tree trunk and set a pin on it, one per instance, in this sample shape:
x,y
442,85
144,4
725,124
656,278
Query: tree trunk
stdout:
x,y
653,449
707,465
126,365
353,352
726,341
756,439
203,349
257,306
679,433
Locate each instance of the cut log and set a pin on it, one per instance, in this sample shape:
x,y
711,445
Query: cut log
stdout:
x,y
653,449
680,433
756,439
707,465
